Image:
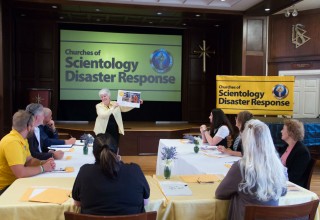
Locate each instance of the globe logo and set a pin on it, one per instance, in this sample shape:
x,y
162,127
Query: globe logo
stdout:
x,y
280,91
161,61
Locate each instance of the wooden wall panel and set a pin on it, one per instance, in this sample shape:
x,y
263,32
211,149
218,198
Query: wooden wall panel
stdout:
x,y
283,54
281,45
35,58
255,65
254,46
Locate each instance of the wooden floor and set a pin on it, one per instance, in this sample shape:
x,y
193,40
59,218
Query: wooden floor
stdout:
x,y
148,166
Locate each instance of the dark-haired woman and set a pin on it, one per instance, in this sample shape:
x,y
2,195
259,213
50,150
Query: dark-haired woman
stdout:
x,y
109,186
220,129
236,149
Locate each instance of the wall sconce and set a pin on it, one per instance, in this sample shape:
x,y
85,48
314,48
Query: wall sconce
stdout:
x,y
289,12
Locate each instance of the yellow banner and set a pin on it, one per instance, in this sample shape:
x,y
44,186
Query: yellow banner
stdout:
x,y
261,95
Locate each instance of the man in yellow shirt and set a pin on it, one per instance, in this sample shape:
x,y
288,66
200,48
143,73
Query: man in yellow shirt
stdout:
x,y
15,158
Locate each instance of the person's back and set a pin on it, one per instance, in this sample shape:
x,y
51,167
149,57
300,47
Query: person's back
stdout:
x,y
110,187
259,177
101,195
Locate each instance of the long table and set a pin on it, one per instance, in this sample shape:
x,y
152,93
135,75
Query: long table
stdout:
x,y
200,205
73,158
189,162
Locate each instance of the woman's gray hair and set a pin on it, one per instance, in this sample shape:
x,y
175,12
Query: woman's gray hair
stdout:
x,y
263,174
21,119
105,91
35,108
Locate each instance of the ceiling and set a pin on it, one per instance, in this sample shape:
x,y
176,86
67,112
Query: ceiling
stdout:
x,y
155,13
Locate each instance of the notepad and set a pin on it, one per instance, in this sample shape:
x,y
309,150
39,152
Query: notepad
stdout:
x,y
175,188
201,178
61,146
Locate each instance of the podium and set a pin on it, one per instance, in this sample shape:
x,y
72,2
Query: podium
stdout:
x,y
41,96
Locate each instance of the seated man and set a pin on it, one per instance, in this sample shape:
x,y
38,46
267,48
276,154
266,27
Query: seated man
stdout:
x,y
48,132
15,159
37,147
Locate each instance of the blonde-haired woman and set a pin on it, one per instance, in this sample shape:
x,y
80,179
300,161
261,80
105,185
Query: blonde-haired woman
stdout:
x,y
109,119
295,155
258,177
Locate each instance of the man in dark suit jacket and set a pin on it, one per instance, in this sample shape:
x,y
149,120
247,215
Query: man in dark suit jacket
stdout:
x,y
36,141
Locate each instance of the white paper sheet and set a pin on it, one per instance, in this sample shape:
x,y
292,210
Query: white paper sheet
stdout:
x,y
173,188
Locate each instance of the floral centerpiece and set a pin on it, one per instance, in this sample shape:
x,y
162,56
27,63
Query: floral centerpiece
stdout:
x,y
168,155
193,140
87,139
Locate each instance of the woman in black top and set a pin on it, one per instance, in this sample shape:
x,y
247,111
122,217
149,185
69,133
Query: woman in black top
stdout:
x,y
109,186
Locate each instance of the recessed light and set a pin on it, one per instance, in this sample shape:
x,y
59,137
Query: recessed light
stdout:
x,y
22,15
150,22
97,9
184,24
267,9
217,25
197,15
98,19
54,6
61,17
159,13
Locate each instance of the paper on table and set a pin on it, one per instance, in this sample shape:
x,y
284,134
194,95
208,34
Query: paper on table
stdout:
x,y
64,169
68,157
206,147
61,146
79,143
214,153
62,149
201,178
174,188
51,195
185,141
292,187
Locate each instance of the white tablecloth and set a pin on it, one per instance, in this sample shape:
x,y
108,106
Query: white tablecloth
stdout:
x,y
76,161
189,162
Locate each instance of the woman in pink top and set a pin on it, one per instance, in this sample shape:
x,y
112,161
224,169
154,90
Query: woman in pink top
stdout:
x,y
294,155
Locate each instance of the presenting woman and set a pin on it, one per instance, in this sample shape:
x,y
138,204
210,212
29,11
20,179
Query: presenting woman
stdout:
x,y
109,119
294,155
258,177
109,186
236,149
220,129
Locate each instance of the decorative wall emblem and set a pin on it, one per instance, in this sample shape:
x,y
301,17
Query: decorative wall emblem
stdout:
x,y
204,52
298,35
38,99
